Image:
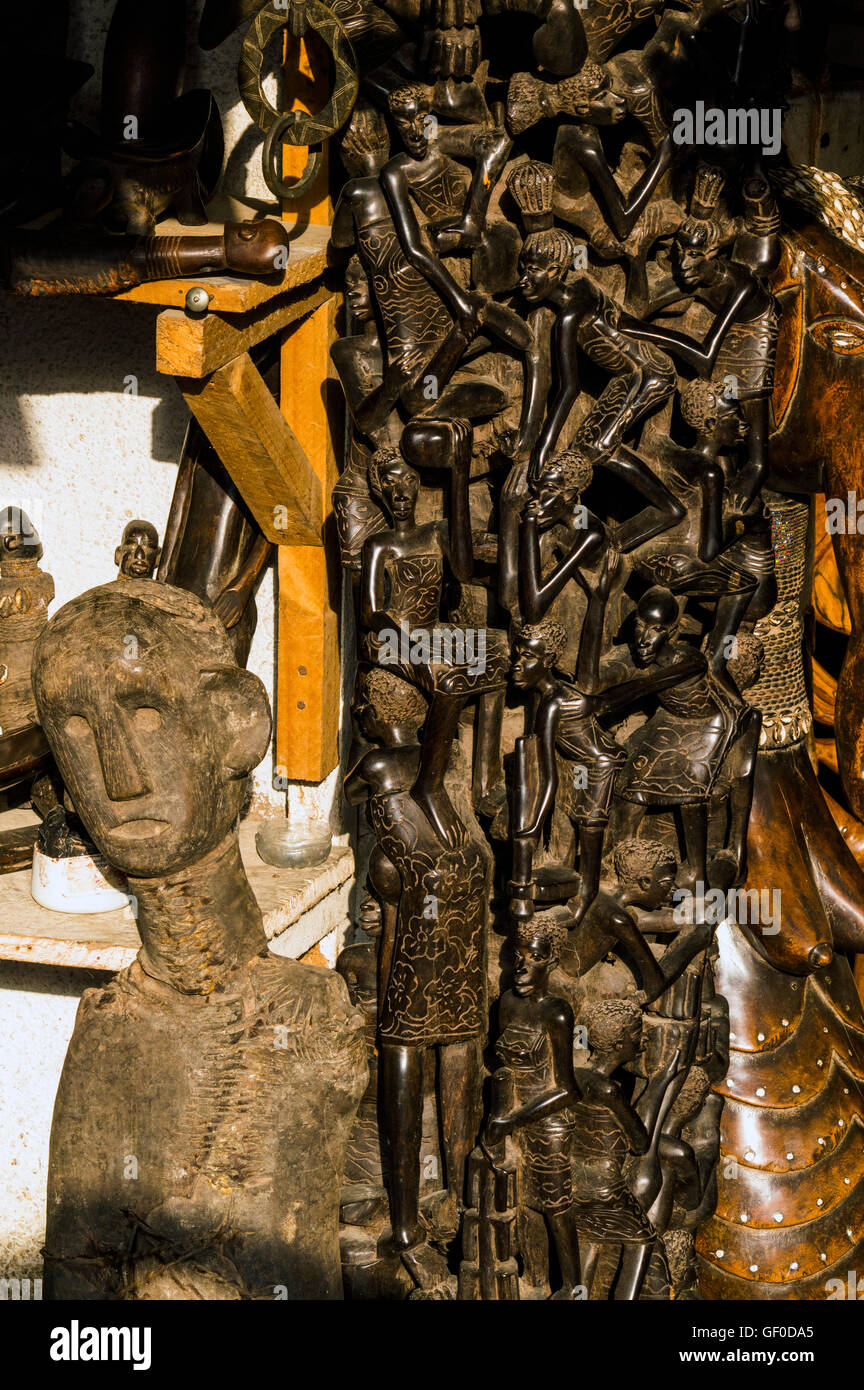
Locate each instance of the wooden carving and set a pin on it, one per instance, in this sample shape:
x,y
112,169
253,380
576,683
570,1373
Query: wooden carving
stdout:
x,y
595,361
208,1094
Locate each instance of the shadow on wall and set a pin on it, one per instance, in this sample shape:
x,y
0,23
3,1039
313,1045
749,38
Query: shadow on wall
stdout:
x,y
86,347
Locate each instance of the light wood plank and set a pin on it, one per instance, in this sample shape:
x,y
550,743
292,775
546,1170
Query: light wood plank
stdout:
x,y
261,451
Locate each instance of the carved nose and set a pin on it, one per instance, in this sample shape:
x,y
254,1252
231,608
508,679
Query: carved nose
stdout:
x,y
821,955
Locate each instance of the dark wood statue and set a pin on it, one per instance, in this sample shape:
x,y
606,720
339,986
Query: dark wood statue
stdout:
x,y
591,369
209,1091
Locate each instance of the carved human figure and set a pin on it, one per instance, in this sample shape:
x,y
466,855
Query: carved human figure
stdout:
x,y
432,968
640,901
578,758
674,759
588,98
221,1078
401,590
588,321
740,346
607,1130
534,1089
137,555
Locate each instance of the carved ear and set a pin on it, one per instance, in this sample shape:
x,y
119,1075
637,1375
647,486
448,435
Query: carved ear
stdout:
x,y
242,709
117,556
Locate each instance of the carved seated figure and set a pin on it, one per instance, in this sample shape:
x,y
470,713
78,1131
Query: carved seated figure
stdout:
x,y
207,1098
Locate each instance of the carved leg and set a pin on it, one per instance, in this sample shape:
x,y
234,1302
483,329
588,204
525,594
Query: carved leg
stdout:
x,y
563,1228
460,1098
488,771
590,862
694,819
634,1266
428,790
401,1090
589,1254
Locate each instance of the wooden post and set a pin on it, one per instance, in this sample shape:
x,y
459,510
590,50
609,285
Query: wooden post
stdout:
x,y
307,663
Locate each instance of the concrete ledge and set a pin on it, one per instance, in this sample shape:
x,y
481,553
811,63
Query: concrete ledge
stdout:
x,y
300,908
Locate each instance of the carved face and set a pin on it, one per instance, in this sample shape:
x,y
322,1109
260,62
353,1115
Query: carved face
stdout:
x,y
152,724
655,623
412,122
357,295
534,960
605,106
553,497
530,662
693,265
654,890
400,485
539,276
138,552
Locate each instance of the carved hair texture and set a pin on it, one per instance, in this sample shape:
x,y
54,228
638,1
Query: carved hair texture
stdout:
x,y
412,94
635,859
544,926
383,459
551,634
608,1021
394,700
366,133
575,468
745,663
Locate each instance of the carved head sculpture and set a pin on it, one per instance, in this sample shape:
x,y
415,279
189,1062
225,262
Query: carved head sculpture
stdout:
x,y
411,108
548,252
539,943
747,659
18,537
694,253
152,723
646,869
395,482
256,248
587,95
388,710
138,553
614,1028
365,146
544,261
708,410
536,651
655,624
559,485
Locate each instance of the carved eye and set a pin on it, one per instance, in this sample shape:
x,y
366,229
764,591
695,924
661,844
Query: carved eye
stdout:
x,y
842,336
146,719
76,727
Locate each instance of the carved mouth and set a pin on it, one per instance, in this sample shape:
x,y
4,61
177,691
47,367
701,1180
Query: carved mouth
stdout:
x,y
132,830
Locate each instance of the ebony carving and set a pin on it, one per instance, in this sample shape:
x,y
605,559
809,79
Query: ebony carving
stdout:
x,y
590,368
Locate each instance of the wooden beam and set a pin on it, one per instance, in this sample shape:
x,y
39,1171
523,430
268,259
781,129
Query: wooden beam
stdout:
x,y
195,347
308,672
278,482
307,667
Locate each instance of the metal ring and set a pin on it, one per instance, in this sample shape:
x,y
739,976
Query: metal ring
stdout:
x,y
306,128
271,163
